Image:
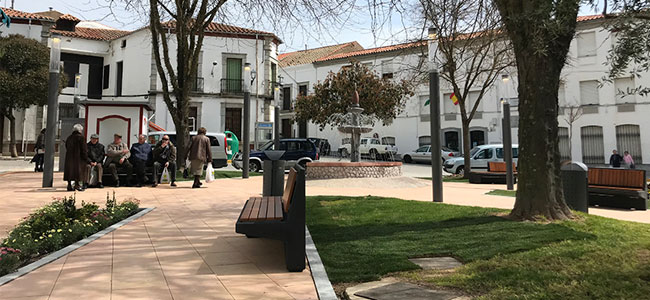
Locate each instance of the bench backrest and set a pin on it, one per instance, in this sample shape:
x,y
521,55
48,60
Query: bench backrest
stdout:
x,y
617,177
499,166
288,190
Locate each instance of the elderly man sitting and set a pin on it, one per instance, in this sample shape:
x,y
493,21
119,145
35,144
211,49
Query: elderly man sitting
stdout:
x,y
117,155
140,155
164,156
96,155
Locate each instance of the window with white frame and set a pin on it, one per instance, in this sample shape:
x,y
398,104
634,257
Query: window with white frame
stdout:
x,y
561,96
472,97
586,44
424,108
589,92
623,89
448,104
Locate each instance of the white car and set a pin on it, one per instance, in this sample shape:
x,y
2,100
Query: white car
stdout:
x,y
480,156
371,147
423,154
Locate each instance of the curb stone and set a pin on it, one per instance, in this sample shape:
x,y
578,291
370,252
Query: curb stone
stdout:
x,y
323,285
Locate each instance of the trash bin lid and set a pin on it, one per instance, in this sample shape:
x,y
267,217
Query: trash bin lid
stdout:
x,y
274,154
574,166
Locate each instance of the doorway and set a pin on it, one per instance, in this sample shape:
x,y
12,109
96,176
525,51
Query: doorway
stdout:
x,y
286,128
477,138
233,121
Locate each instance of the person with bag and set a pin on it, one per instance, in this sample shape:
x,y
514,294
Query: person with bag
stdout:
x,y
629,161
199,154
164,157
94,168
39,149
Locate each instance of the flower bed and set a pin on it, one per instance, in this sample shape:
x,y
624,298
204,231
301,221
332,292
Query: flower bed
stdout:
x,y
58,225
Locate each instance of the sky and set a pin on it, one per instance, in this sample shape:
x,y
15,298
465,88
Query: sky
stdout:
x,y
357,27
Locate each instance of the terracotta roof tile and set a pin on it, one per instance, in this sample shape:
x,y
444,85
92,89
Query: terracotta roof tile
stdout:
x,y
16,14
227,29
311,55
589,18
70,18
92,33
377,50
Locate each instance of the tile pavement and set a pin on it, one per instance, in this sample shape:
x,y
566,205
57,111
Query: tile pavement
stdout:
x,y
184,249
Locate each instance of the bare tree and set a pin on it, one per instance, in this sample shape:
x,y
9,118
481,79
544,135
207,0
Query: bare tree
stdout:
x,y
474,50
571,115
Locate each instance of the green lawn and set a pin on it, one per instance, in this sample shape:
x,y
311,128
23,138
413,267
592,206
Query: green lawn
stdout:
x,y
218,174
363,239
502,193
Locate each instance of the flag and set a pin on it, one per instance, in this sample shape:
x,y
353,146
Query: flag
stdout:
x,y
427,102
4,19
453,98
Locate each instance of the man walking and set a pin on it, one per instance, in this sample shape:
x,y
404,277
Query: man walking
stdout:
x,y
75,157
118,155
199,154
141,155
96,155
164,156
615,159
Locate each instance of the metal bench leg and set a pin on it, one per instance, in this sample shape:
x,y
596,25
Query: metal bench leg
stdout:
x,y
294,253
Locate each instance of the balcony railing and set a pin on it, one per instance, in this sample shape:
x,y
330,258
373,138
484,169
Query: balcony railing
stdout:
x,y
196,84
232,86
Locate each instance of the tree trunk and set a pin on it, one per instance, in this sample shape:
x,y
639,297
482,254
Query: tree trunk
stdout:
x,y
466,147
182,133
2,131
12,135
539,192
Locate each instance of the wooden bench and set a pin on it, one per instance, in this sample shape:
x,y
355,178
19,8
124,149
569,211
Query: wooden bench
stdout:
x,y
496,173
280,218
621,188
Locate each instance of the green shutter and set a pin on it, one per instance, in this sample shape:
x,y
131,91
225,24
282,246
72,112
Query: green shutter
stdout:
x,y
234,74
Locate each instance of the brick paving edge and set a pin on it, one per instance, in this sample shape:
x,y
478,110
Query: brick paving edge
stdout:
x,y
321,281
64,251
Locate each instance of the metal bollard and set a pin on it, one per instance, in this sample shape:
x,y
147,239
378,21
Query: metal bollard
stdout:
x,y
574,184
273,174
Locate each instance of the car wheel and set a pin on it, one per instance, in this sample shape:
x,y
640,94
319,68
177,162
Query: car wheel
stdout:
x,y
254,166
460,170
344,153
408,159
373,154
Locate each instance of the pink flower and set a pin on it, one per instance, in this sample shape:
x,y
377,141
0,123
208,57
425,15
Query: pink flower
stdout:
x,y
0,258
3,252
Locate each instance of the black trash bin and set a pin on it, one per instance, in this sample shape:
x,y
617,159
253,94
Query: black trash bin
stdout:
x,y
273,173
574,183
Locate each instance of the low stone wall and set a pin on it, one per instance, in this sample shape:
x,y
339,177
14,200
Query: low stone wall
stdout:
x,y
333,170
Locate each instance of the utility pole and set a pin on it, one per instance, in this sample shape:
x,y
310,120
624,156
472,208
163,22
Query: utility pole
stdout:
x,y
434,111
507,144
52,106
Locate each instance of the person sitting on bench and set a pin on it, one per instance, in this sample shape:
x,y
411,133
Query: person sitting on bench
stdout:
x,y
117,155
164,156
140,157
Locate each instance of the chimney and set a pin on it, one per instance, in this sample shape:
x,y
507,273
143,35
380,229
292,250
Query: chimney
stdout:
x,y
51,8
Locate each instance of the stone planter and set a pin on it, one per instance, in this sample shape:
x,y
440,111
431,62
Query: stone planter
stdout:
x,y
333,170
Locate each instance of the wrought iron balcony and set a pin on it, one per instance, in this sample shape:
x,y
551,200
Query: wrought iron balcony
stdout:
x,y
232,86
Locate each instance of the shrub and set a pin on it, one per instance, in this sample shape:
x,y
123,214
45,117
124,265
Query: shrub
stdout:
x,y
57,225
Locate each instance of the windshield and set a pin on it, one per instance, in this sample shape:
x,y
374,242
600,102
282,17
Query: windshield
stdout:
x,y
267,146
473,151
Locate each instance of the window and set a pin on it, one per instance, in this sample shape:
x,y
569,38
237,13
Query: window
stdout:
x,y
586,44
424,140
387,76
214,141
302,90
628,138
307,146
70,68
375,142
423,149
233,81
592,144
624,89
500,152
118,77
448,104
388,140
386,69
565,144
424,108
66,110
472,97
561,97
452,140
123,44
192,120
484,154
345,141
589,92
364,141
106,78
286,98
293,146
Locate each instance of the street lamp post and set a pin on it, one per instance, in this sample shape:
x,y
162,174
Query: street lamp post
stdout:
x,y
247,117
507,137
52,106
77,94
434,112
276,115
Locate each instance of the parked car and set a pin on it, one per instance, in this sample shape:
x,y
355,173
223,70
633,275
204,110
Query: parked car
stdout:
x,y
423,154
371,147
217,145
323,145
480,157
297,151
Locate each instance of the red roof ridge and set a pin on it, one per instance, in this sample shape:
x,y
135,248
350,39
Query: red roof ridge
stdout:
x,y
17,14
100,34
382,49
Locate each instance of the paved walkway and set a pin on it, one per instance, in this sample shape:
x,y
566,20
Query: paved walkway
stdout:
x,y
185,249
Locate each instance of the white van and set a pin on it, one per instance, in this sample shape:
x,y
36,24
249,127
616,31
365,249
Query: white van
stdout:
x,y
217,144
480,157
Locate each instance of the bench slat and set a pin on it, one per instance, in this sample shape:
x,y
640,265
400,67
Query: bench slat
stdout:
x,y
263,207
278,209
256,208
245,216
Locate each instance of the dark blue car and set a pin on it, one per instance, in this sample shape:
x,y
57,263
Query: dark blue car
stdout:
x,y
297,151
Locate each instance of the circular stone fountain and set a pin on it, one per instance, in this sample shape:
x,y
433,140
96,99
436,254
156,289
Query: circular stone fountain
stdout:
x,y
353,123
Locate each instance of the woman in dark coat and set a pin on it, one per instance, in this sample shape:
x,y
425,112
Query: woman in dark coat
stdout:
x,y
38,148
76,158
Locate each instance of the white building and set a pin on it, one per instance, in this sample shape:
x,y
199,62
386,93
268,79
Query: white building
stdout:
x,y
118,67
609,119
